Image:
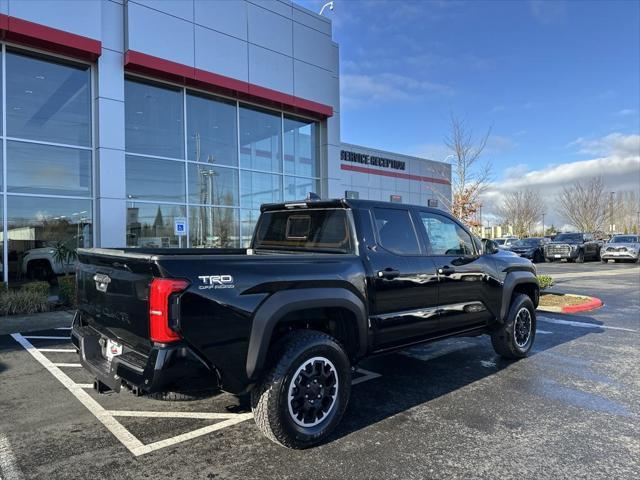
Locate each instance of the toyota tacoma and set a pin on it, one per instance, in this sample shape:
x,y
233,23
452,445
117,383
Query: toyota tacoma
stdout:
x,y
324,284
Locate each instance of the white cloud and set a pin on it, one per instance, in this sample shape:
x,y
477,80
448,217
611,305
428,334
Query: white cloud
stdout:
x,y
361,90
616,159
614,143
516,171
627,111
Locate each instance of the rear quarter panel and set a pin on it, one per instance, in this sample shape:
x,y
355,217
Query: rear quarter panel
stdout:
x,y
216,319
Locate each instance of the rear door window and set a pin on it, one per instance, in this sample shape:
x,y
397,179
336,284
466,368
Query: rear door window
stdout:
x,y
395,231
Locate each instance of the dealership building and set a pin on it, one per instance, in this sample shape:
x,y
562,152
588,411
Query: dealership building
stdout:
x,y
169,122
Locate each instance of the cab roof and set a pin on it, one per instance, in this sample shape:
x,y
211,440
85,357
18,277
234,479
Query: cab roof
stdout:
x,y
339,203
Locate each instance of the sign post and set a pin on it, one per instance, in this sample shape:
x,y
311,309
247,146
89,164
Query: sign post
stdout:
x,y
180,229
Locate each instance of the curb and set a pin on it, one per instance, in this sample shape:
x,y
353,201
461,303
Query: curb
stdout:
x,y
591,304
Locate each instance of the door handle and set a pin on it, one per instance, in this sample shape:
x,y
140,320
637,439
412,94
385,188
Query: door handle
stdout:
x,y
446,270
388,273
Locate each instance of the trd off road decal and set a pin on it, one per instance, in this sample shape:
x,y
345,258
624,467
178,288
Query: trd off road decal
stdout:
x,y
215,281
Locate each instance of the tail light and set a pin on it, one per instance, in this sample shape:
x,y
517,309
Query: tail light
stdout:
x,y
159,308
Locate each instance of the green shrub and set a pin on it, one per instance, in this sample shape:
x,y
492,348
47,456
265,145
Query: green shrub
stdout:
x,y
545,281
39,287
67,290
14,302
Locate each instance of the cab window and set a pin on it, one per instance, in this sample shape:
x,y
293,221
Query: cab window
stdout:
x,y
395,231
445,237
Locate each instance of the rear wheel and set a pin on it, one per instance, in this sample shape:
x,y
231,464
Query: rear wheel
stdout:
x,y
305,393
515,338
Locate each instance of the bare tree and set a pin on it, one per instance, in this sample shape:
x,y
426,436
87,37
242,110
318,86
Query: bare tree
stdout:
x,y
470,176
622,211
583,204
521,210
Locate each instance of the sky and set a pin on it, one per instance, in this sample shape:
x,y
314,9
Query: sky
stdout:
x,y
558,84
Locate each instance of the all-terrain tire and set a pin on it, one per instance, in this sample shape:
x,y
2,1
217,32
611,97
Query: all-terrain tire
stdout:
x,y
580,257
272,406
509,341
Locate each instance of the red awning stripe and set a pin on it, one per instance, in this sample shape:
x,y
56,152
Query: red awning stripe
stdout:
x,y
49,39
189,76
387,173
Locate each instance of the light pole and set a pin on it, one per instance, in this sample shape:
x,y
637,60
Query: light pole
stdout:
x,y
611,212
543,223
328,4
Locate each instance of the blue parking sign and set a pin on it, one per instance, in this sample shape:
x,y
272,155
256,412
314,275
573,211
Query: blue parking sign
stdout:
x,y
180,226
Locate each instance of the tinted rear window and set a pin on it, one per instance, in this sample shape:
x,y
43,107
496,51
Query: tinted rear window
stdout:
x,y
312,230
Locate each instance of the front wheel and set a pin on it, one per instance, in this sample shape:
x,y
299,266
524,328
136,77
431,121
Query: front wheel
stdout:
x,y
515,337
303,396
580,257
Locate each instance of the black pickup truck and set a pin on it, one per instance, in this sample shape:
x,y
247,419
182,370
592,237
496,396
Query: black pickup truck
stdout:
x,y
573,247
324,284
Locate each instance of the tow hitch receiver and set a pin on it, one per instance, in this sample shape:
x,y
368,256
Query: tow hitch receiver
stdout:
x,y
101,388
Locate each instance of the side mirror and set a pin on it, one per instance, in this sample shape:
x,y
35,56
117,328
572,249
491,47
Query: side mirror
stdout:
x,y
489,247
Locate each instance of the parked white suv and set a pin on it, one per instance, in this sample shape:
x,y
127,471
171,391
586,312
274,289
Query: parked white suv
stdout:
x,y
505,242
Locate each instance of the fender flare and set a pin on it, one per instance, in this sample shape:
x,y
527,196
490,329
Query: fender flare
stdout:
x,y
284,302
512,280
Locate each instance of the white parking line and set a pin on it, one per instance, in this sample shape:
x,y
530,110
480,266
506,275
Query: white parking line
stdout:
x,y
544,332
57,350
8,464
367,375
584,324
115,427
107,417
201,415
63,328
241,417
41,337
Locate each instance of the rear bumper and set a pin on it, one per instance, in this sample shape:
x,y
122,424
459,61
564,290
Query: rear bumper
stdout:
x,y
164,368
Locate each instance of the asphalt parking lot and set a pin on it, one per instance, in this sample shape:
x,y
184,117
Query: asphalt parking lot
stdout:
x,y
447,410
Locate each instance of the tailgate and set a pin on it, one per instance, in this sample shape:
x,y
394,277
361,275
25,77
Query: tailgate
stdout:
x,y
113,293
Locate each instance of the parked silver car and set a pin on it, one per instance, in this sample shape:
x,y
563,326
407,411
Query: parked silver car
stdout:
x,y
621,247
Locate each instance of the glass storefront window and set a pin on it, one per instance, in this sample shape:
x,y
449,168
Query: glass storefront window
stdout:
x,y
153,119
258,188
260,140
213,227
48,101
36,223
154,179
151,225
296,188
213,186
46,169
300,147
213,132
248,220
